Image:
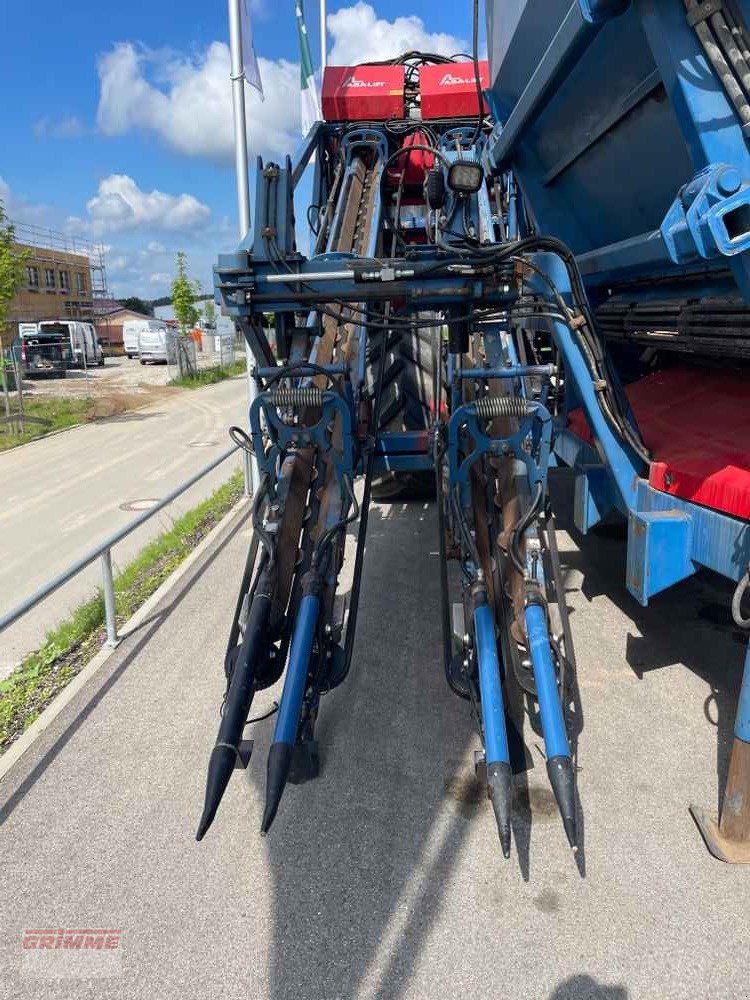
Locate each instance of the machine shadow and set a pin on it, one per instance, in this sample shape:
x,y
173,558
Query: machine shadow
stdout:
x,y
583,987
361,856
670,628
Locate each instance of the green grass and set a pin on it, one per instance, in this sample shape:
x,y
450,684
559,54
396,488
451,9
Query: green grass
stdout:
x,y
67,650
58,413
210,376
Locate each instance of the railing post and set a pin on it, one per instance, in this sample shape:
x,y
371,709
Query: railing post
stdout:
x,y
109,597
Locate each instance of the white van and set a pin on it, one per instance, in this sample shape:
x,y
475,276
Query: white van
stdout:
x,y
131,331
85,348
152,344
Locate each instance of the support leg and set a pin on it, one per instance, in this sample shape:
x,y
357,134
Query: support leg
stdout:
x,y
729,839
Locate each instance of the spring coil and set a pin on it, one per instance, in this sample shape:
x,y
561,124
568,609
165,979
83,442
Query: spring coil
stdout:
x,y
489,407
297,396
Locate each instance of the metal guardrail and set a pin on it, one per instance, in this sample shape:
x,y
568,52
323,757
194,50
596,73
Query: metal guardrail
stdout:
x,y
103,551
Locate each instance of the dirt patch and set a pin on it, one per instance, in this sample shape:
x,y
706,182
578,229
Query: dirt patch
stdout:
x,y
121,385
115,402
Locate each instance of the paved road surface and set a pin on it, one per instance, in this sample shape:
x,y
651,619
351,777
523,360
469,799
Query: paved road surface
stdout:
x,y
62,494
384,878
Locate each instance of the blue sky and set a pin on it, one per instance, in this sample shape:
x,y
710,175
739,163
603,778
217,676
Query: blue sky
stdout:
x,y
116,118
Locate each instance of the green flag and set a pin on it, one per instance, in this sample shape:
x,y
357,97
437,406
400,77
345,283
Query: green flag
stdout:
x,y
310,102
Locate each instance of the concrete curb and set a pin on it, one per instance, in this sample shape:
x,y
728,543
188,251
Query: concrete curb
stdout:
x,y
27,739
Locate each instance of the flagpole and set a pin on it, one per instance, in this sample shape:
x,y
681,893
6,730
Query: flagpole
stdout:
x,y
323,37
252,475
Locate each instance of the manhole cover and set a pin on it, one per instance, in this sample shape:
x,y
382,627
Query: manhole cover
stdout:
x,y
202,444
146,504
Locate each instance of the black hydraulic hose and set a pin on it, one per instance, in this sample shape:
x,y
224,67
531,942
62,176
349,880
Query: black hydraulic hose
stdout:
x,y
477,80
528,518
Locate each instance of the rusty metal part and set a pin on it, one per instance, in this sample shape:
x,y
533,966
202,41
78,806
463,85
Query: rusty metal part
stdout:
x,y
482,529
294,485
336,338
510,506
729,840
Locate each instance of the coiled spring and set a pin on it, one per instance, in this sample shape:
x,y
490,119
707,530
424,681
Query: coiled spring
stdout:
x,y
291,396
502,406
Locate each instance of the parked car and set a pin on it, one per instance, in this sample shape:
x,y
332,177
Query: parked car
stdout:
x,y
86,351
131,330
43,353
152,344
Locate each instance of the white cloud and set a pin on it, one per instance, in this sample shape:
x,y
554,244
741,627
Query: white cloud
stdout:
x,y
120,204
193,111
69,127
160,278
187,100
359,35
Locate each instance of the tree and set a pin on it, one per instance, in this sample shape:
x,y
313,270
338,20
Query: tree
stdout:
x,y
137,305
12,271
209,314
12,277
184,292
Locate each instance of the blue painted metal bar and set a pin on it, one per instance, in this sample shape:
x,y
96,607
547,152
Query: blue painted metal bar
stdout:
x,y
493,710
514,371
550,709
302,156
624,466
742,722
402,442
290,704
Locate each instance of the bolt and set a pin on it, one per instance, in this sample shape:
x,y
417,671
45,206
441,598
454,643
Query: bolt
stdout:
x,y
729,181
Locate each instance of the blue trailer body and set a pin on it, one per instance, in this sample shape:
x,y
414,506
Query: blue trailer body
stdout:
x,y
623,140
624,125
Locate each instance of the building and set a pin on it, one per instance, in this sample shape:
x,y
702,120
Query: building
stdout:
x,y
109,318
65,277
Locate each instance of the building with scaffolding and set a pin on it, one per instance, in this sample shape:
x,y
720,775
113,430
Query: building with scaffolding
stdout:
x,y
65,278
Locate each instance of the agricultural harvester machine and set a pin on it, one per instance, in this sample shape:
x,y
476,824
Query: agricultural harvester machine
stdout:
x,y
536,260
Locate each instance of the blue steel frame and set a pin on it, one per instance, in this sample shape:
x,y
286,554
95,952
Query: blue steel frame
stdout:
x,y
693,236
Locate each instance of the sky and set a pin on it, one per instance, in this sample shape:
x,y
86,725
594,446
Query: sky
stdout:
x,y
116,118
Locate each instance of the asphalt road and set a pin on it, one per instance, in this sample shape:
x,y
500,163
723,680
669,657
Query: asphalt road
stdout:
x,y
384,878
60,495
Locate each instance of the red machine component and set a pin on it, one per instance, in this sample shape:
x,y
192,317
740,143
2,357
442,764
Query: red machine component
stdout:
x,y
415,163
449,90
696,424
363,93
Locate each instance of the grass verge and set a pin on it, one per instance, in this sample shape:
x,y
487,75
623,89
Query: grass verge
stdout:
x,y
210,376
57,414
67,650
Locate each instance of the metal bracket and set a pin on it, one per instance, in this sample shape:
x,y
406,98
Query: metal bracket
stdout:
x,y
284,436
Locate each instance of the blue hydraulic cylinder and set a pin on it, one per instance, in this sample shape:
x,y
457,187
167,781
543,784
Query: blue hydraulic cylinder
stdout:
x,y
496,755
550,708
290,705
559,763
493,710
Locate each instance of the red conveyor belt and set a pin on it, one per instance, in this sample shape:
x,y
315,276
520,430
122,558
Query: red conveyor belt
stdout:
x,y
696,424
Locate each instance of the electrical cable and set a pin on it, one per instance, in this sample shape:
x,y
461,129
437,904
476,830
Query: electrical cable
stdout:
x,y
524,522
477,80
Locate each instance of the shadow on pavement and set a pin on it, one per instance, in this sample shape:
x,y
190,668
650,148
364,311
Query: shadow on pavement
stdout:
x,y
586,988
685,626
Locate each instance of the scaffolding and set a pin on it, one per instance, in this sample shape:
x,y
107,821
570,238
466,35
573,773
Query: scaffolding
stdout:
x,y
48,245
